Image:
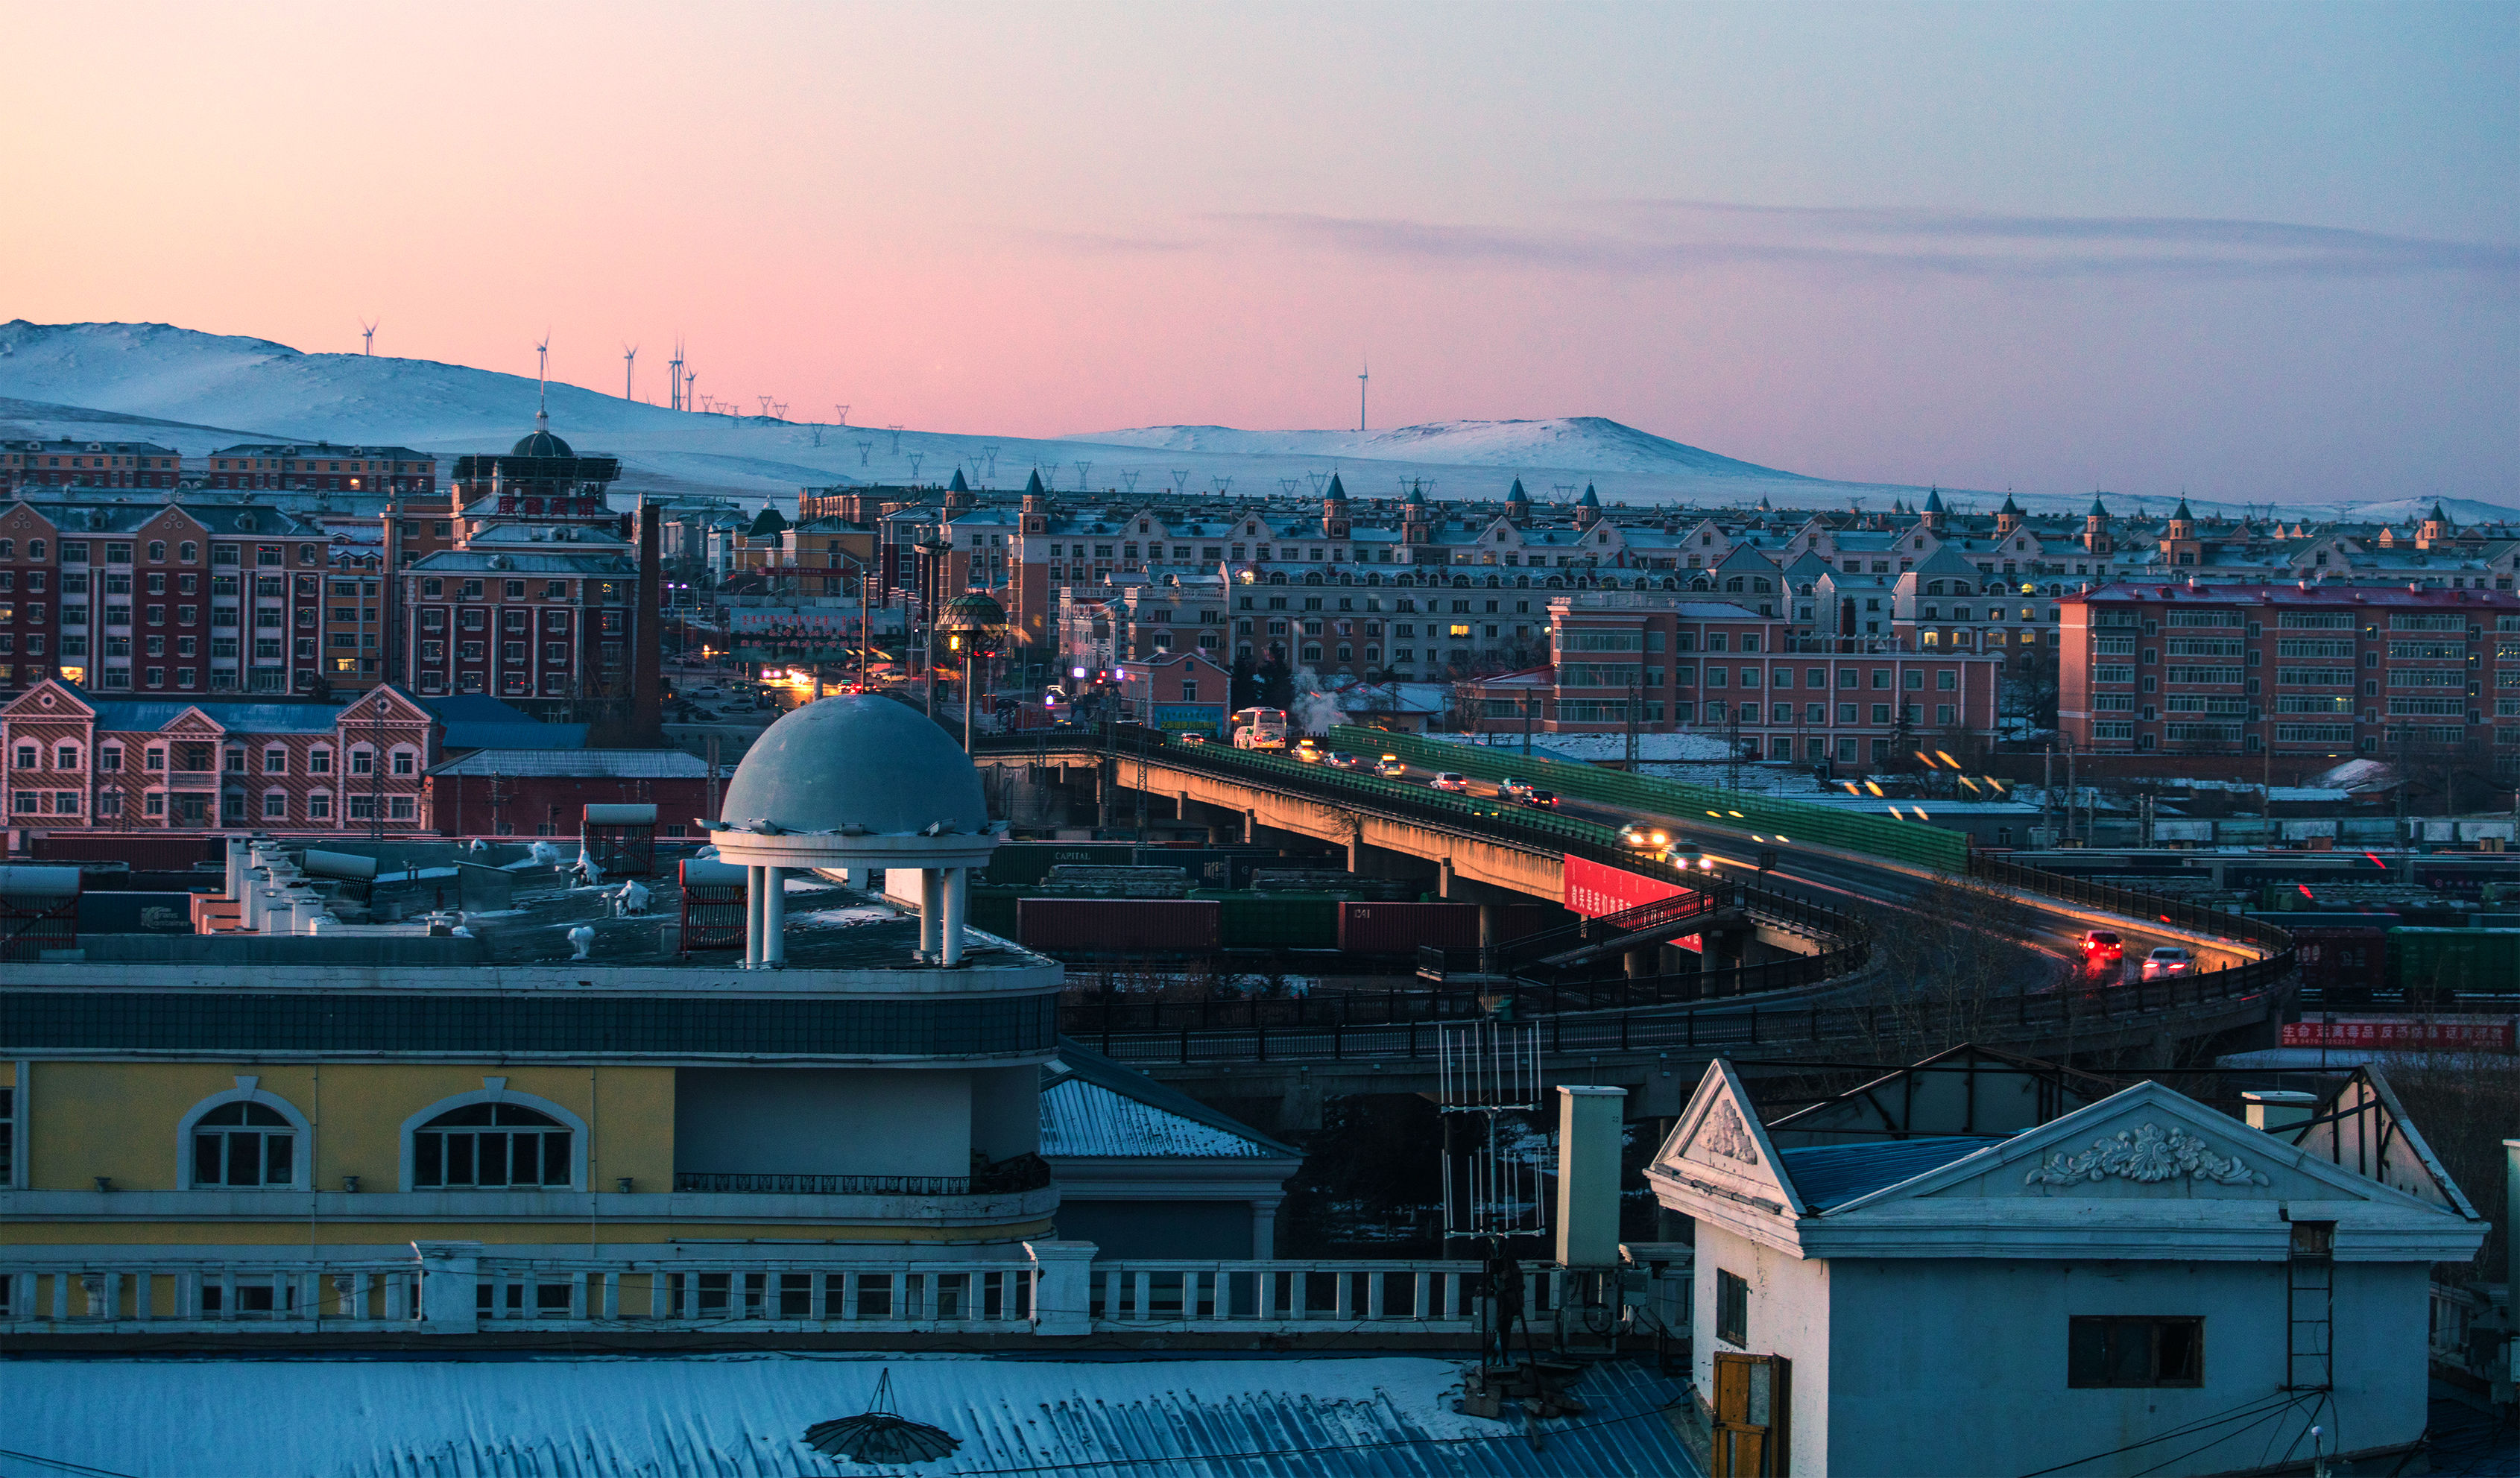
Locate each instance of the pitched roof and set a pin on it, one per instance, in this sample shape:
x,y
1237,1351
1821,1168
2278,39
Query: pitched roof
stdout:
x,y
1093,1106
1832,1175
580,764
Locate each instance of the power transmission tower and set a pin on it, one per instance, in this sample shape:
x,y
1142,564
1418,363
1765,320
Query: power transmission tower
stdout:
x,y
1223,484
1181,480
915,458
896,440
1319,478
844,413
765,405
866,449
779,409
1084,471
1130,477
1287,485
989,450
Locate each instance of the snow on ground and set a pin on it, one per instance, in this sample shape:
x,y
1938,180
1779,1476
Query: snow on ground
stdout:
x,y
204,390
370,1419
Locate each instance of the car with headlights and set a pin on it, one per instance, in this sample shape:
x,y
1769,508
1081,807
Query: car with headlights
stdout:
x,y
1391,767
1642,837
1451,780
1537,800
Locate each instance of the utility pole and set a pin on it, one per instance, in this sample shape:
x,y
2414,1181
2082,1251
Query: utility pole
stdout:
x,y
2072,796
2048,794
1530,706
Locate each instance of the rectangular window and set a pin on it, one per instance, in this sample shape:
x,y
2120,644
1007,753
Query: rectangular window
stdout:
x,y
1732,1309
2314,620
2117,1351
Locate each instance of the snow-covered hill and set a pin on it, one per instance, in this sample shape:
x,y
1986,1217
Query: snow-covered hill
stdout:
x,y
1591,444
196,391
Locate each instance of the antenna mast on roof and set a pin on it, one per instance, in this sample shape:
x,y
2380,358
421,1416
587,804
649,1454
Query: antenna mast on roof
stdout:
x,y
542,374
629,371
367,331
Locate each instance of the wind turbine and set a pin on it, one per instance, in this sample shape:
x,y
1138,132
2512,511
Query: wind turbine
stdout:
x,y
367,331
629,370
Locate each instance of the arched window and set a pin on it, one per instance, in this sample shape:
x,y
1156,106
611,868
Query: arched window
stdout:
x,y
242,1138
490,1146
1734,584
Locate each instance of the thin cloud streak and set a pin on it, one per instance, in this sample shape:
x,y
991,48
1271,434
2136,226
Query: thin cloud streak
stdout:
x,y
1859,239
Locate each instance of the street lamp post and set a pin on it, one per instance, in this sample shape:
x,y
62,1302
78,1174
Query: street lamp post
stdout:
x,y
972,624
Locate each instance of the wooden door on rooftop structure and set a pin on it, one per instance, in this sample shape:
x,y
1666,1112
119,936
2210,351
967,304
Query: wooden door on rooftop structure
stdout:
x,y
1751,1416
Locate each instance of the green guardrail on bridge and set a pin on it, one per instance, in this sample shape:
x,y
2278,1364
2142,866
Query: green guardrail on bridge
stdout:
x,y
1914,842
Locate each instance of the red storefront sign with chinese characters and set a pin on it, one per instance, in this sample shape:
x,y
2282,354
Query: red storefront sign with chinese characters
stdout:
x,y
2471,1034
1594,889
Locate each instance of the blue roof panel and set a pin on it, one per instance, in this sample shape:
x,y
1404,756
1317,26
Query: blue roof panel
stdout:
x,y
1832,1175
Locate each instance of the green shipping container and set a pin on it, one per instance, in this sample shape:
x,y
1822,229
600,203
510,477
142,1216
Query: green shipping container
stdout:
x,y
2484,962
1277,920
993,909
1029,861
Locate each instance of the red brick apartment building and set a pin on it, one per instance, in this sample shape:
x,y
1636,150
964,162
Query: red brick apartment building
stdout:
x,y
87,464
1714,666
2300,672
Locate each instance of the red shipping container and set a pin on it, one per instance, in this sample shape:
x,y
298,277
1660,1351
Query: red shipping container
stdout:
x,y
145,854
1400,928
2340,959
1120,926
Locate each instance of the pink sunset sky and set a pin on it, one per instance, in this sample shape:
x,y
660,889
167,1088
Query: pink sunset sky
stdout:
x,y
2257,251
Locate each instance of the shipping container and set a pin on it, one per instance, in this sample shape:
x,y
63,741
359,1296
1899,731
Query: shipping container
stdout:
x,y
1207,866
135,913
993,909
1402,928
2343,963
1119,925
1280,922
1029,861
143,853
2426,961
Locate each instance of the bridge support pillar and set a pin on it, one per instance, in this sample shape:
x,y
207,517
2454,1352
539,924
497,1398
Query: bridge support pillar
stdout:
x,y
1444,878
1489,928
1250,828
1642,961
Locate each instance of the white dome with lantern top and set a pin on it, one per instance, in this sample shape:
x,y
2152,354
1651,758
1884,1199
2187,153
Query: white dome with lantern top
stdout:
x,y
858,764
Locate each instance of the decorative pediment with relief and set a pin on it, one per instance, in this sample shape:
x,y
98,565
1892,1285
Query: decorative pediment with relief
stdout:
x,y
192,722
386,704
1718,1148
2147,1143
48,699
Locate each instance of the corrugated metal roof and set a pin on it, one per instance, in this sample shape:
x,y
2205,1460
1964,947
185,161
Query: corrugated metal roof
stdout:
x,y
1076,1062
1832,1175
1081,1119
148,716
1309,1418
626,763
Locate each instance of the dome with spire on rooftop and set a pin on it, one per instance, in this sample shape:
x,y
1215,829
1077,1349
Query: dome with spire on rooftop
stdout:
x,y
959,485
1933,500
1516,494
1414,498
542,443
2009,507
1032,484
1591,498
1336,492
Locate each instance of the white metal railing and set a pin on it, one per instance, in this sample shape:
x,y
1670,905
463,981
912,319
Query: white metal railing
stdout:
x,y
1435,1296
457,1289
370,1295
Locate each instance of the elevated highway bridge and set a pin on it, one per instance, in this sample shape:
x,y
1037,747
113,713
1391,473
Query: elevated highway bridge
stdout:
x,y
1802,978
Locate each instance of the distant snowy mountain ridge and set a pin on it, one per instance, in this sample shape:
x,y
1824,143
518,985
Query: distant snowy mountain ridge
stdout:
x,y
194,391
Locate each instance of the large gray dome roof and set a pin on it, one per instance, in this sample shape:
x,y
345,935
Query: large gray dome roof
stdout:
x,y
857,760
